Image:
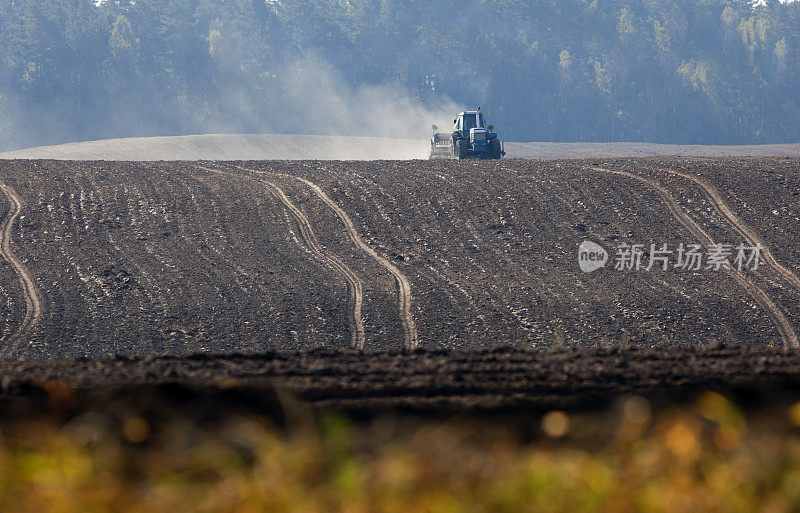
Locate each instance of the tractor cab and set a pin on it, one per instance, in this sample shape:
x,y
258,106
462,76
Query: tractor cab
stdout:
x,y
468,120
471,128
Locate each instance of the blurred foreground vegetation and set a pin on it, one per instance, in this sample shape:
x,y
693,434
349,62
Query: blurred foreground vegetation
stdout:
x,y
707,454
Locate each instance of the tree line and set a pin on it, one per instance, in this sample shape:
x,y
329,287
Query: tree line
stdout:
x,y
670,71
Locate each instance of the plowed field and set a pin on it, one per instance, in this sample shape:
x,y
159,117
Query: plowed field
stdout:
x,y
176,258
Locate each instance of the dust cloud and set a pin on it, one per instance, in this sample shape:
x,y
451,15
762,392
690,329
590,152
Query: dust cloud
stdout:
x,y
321,115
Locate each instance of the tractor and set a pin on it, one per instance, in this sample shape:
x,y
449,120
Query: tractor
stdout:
x,y
470,139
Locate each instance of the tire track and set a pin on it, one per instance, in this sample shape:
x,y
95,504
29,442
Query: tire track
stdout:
x,y
405,297
784,327
354,285
33,301
752,238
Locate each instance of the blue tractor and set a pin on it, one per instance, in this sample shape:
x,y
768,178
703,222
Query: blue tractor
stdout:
x,y
470,139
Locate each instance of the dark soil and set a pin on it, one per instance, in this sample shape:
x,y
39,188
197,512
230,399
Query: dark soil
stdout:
x,y
496,379
166,258
147,269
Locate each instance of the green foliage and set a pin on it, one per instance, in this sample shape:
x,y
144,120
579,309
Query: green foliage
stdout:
x,y
122,42
706,454
699,74
625,25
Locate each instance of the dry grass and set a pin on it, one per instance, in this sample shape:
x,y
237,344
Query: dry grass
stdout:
x,y
707,455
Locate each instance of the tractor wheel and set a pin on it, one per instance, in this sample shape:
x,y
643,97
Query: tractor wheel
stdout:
x,y
494,149
460,149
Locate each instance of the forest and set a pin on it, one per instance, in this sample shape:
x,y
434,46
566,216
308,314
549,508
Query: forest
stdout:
x,y
668,71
